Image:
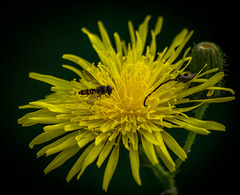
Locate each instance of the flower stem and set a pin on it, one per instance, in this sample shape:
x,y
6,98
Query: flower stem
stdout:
x,y
164,177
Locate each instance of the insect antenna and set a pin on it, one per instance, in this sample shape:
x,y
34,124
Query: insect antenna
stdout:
x,y
180,78
144,102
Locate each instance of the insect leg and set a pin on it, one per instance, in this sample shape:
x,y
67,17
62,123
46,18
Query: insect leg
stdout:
x,y
93,100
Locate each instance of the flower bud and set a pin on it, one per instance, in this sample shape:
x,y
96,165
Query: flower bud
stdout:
x,y
206,53
210,54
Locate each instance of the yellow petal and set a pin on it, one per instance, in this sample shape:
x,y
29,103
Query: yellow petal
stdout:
x,y
95,40
56,126
71,127
214,100
78,165
52,80
149,137
162,150
46,136
149,151
61,158
45,120
85,140
154,33
189,127
70,142
177,44
143,29
118,43
125,141
210,92
187,109
132,33
83,63
209,83
101,137
54,144
105,152
110,168
211,125
77,71
91,156
59,108
173,145
105,38
135,164
108,125
133,139
223,89
169,164
114,135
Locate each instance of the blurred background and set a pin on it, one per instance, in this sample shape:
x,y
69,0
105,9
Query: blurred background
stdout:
x,y
34,36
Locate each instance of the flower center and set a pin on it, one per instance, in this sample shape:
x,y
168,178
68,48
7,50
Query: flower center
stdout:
x,y
131,87
125,105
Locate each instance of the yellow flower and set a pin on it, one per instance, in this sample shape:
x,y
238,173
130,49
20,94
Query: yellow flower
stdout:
x,y
136,74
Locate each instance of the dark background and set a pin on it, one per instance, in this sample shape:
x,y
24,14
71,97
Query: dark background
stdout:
x,y
34,36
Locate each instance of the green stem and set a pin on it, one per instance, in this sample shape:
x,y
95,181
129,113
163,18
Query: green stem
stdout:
x,y
164,177
191,136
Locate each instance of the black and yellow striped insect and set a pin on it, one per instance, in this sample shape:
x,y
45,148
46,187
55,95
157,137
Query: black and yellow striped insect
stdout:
x,y
180,78
102,89
94,93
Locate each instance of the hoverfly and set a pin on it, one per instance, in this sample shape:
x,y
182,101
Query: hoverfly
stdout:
x,y
102,89
180,78
94,93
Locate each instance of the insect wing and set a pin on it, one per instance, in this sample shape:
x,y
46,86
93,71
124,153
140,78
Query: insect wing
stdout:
x,y
89,78
92,98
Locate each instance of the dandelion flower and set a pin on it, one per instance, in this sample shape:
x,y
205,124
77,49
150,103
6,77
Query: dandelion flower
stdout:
x,y
134,71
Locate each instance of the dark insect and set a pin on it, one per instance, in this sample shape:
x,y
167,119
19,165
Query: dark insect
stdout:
x,y
94,94
180,78
102,89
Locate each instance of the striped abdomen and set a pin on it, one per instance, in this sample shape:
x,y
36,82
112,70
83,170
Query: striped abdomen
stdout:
x,y
87,92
